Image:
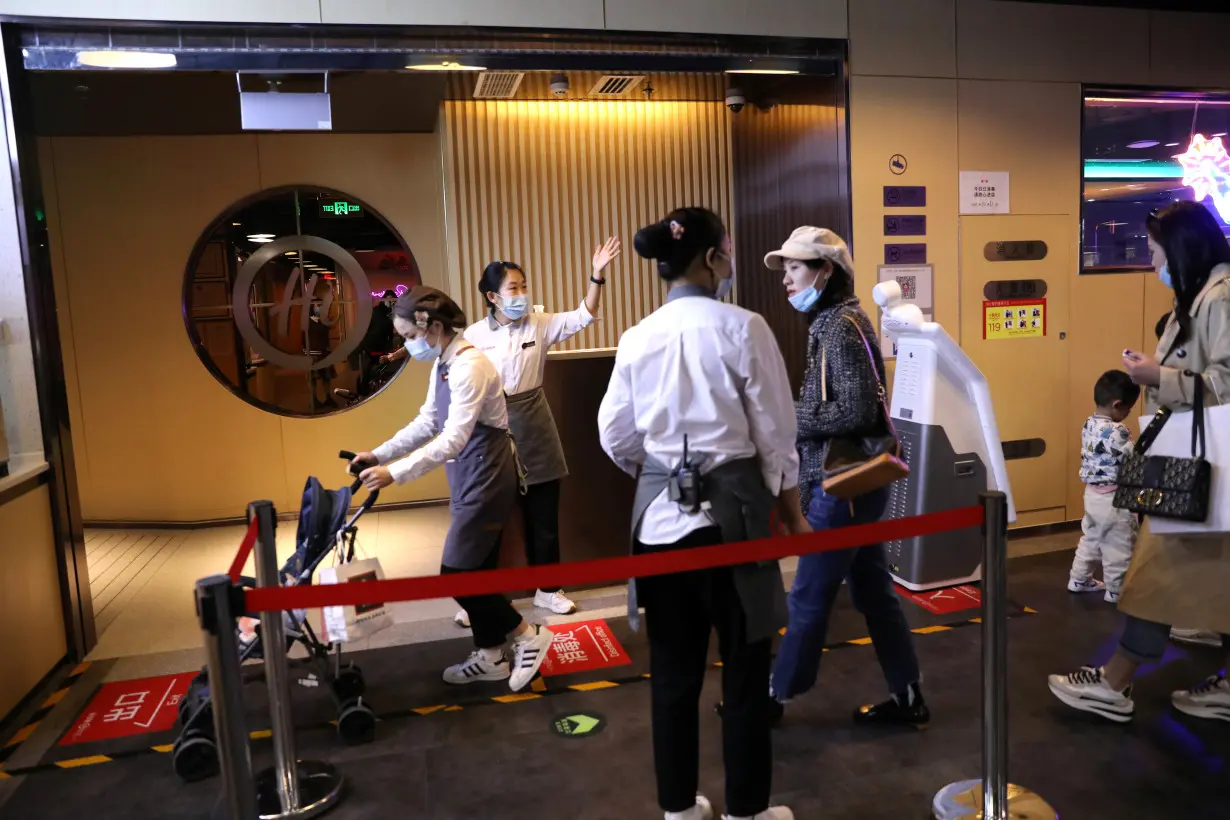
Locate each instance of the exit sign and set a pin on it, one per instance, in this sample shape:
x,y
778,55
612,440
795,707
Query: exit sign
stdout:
x,y
340,207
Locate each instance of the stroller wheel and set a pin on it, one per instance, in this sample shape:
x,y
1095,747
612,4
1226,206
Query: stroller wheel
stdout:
x,y
195,756
349,684
356,724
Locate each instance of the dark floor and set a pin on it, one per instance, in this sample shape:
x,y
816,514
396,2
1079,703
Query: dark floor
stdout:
x,y
492,760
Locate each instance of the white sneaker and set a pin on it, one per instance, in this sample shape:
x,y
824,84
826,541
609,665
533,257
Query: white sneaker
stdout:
x,y
771,813
462,619
475,668
1088,691
1196,637
556,602
1111,597
1210,699
1088,585
703,810
531,651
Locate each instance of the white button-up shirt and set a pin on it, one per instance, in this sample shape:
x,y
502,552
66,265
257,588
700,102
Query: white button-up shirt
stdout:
x,y
519,349
713,371
476,395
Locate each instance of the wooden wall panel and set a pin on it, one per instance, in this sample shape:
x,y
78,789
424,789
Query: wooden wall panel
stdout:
x,y
30,606
542,183
787,173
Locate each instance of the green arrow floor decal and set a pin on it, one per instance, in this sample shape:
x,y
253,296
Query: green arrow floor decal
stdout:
x,y
582,724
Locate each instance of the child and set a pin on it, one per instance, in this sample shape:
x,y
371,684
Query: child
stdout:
x,y
1109,534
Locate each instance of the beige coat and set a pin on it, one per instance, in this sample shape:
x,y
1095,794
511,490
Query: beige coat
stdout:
x,y
1181,580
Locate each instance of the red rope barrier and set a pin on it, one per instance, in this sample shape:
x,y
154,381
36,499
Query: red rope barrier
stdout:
x,y
245,549
605,570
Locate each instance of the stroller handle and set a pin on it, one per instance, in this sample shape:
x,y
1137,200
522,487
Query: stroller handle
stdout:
x,y
354,488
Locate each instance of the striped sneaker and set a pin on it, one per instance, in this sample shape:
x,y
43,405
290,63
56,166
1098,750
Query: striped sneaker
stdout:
x,y
476,668
531,650
1088,691
1209,700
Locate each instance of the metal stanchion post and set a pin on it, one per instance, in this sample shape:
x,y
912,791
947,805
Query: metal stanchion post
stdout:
x,y
993,797
293,788
217,610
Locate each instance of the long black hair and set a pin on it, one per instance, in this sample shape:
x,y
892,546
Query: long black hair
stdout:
x,y
675,241
493,279
1194,244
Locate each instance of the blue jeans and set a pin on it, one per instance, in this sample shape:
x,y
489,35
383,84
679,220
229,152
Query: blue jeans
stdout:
x,y
815,589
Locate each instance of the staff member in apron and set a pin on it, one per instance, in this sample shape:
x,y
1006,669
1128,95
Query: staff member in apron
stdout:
x,y
516,341
706,378
463,425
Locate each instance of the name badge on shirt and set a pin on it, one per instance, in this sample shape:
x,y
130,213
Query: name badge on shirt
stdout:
x,y
528,345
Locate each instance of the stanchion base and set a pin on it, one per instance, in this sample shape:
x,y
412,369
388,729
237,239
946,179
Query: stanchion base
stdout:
x,y
963,801
320,789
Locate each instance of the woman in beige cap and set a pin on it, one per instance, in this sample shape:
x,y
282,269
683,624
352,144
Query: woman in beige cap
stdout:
x,y
840,397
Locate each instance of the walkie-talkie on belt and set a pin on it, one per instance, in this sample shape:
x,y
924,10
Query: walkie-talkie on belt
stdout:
x,y
684,486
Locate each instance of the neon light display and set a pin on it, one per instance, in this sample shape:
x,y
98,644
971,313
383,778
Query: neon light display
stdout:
x,y
398,290
1206,170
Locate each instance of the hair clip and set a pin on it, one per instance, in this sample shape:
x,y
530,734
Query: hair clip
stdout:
x,y
676,230
423,321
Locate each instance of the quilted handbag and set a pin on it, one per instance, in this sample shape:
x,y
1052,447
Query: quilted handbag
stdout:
x,y
1165,486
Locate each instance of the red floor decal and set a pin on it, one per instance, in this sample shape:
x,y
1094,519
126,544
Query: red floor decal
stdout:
x,y
583,646
947,600
130,707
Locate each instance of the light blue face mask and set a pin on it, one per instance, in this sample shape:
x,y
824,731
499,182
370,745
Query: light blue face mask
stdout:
x,y
514,307
421,351
724,287
1164,275
806,299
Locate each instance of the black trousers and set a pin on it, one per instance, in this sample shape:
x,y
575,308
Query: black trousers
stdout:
x,y
680,612
540,511
492,617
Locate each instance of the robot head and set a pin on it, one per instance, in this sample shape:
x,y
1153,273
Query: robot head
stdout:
x,y
898,315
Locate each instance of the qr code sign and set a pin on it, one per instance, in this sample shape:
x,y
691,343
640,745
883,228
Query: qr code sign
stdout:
x,y
909,286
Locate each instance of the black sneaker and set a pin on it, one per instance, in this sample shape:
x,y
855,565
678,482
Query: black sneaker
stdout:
x,y
900,710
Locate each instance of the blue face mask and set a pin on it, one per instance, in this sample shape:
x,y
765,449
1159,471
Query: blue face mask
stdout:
x,y
421,351
725,286
514,307
1164,275
806,299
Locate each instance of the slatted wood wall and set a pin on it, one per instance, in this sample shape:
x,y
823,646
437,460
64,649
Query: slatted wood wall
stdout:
x,y
542,183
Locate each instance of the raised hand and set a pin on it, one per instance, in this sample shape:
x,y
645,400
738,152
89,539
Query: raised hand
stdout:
x,y
605,254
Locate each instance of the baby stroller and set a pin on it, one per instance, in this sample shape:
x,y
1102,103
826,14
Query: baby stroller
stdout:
x,y
324,529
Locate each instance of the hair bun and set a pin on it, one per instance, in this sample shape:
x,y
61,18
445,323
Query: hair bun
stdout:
x,y
653,241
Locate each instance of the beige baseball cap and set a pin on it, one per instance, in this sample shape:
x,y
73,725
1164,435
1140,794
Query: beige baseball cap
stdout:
x,y
807,243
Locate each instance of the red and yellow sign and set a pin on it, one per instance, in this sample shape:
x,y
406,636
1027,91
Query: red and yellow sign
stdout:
x,y
1014,319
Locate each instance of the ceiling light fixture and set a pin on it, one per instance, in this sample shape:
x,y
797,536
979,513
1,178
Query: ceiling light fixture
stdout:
x,y
447,65
1172,145
1143,144
126,59
762,71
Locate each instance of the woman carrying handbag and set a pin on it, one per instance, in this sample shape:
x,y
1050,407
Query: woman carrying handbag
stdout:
x,y
1173,579
848,455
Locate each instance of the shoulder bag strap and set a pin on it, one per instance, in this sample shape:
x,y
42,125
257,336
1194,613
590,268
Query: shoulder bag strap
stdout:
x,y
1151,431
880,390
1197,415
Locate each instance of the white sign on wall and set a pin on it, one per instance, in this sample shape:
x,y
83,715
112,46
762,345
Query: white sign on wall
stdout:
x,y
984,192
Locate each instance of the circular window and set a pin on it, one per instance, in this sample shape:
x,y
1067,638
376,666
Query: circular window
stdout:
x,y
288,300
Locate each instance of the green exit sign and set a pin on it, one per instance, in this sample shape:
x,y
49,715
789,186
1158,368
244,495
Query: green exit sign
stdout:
x,y
340,207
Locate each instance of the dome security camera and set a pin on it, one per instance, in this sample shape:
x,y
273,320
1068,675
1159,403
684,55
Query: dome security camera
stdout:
x,y
735,100
559,85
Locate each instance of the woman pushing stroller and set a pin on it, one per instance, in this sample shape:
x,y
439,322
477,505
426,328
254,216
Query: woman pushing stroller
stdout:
x,y
464,425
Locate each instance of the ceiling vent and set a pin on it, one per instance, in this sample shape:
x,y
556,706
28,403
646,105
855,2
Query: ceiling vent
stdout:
x,y
616,85
498,85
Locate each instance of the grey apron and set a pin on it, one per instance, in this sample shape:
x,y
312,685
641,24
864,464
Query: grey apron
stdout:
x,y
482,485
740,505
538,444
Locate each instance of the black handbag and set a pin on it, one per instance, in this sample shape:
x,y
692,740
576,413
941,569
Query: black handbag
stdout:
x,y
1165,486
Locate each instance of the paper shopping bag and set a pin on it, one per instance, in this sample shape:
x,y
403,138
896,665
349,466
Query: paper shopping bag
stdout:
x,y
1175,440
353,623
